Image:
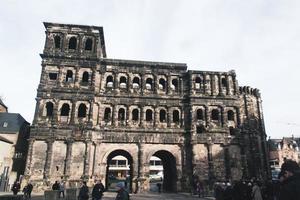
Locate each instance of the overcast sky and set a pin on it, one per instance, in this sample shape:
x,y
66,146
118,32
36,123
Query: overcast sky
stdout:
x,y
259,39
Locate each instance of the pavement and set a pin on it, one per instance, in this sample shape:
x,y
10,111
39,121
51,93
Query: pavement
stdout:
x,y
140,196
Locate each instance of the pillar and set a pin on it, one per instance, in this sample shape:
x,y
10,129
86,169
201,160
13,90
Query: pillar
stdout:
x,y
67,170
48,161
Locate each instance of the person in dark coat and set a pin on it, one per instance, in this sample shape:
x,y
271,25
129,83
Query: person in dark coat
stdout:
x,y
27,190
290,186
83,192
55,186
98,190
122,194
16,188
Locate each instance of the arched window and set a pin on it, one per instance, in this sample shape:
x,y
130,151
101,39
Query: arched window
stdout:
x,y
149,83
224,82
175,116
215,114
136,82
162,84
82,110
109,81
88,44
121,114
49,109
57,41
85,77
174,84
72,43
149,115
200,114
135,114
200,129
198,82
123,82
69,76
231,130
65,109
107,114
162,115
230,115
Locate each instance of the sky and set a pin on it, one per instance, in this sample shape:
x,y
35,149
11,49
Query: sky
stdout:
x,y
259,39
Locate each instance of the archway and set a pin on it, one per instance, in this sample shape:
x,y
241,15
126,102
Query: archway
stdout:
x,y
169,173
119,169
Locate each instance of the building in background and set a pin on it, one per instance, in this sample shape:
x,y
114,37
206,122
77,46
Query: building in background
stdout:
x,y
91,108
14,133
280,150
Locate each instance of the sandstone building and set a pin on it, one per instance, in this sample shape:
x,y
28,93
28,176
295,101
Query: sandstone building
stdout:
x,y
91,108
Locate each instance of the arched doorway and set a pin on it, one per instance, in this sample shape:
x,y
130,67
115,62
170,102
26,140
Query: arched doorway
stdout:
x,y
119,169
169,172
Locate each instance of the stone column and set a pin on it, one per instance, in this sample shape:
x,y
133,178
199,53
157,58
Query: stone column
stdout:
x,y
29,156
73,113
48,162
228,86
77,78
223,121
212,84
235,85
37,110
211,173
55,112
87,156
60,76
90,114
93,78
206,117
67,169
238,117
221,92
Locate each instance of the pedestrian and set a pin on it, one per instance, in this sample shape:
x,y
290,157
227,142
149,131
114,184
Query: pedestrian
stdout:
x,y
62,189
27,190
219,191
55,186
158,187
200,189
122,194
15,188
256,192
290,185
98,190
228,193
83,192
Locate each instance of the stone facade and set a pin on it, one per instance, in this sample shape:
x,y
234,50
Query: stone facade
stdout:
x,y
91,108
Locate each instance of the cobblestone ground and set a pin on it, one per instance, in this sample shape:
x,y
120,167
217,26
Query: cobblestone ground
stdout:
x,y
144,196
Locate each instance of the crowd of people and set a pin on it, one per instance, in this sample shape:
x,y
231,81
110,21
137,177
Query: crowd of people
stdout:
x,y
286,188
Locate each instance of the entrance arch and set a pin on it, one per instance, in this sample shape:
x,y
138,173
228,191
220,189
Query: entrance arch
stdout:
x,y
169,181
119,169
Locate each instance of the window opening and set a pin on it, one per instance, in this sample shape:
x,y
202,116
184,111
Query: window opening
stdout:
x,y
224,82
176,116
65,110
85,77
121,114
123,82
107,114
162,115
136,82
149,114
72,43
69,76
88,44
215,114
230,115
162,84
198,82
109,81
82,110
174,84
135,114
49,109
200,129
57,41
149,83
199,114
52,76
